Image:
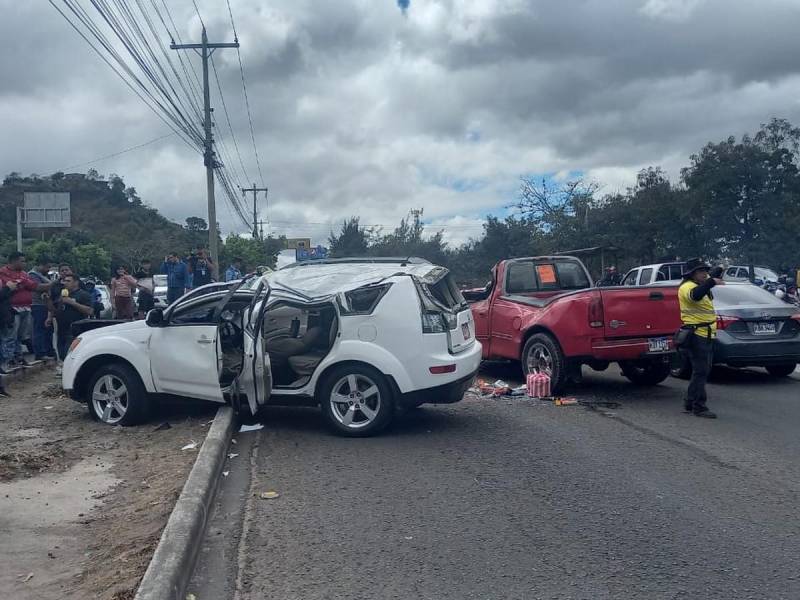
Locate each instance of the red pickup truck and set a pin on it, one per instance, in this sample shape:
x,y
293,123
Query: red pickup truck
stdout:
x,y
544,312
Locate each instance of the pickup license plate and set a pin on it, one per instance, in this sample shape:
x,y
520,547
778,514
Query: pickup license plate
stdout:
x,y
658,344
465,331
764,328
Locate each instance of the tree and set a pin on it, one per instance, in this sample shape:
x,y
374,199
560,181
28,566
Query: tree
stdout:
x,y
196,224
92,259
351,241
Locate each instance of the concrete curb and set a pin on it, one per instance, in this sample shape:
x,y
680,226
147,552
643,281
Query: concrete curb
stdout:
x,y
172,564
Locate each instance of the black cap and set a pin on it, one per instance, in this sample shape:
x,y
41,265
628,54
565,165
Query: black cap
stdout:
x,y
694,264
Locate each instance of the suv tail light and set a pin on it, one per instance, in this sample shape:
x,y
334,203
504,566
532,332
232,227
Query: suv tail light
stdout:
x,y
596,316
723,321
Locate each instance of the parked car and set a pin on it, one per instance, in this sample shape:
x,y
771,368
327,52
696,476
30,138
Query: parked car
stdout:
x,y
742,273
657,273
358,338
754,329
543,312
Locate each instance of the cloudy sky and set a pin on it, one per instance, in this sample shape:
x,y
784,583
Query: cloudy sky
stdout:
x,y
364,107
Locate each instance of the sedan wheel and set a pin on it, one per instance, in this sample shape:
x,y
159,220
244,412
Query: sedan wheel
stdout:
x,y
110,399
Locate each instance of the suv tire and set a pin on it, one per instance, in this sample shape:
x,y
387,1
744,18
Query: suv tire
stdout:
x,y
356,400
542,353
117,396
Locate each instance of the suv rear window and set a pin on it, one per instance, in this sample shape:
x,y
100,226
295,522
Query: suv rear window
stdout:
x,y
446,292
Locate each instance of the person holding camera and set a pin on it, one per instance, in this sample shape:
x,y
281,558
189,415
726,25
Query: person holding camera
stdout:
x,y
697,314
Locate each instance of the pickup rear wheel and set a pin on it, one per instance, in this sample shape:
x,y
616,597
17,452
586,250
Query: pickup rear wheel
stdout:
x,y
542,354
117,396
650,372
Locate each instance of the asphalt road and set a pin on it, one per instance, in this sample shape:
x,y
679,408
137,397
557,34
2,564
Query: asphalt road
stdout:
x,y
522,499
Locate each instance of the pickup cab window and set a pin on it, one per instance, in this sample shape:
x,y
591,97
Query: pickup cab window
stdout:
x,y
526,277
630,278
646,275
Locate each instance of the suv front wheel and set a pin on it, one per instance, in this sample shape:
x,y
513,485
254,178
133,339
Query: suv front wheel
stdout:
x,y
357,400
117,396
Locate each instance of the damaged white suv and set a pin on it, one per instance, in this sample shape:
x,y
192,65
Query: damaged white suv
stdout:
x,y
359,337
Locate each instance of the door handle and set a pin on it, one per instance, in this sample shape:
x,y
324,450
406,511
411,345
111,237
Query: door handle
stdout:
x,y
656,295
205,340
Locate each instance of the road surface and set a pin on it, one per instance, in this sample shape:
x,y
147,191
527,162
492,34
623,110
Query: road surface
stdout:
x,y
521,499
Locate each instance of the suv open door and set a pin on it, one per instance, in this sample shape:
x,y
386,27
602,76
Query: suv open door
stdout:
x,y
255,379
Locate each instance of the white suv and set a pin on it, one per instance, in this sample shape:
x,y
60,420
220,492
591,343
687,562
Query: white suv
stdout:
x,y
360,338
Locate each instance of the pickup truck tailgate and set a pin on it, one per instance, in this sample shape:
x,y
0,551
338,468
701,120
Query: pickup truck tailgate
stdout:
x,y
640,312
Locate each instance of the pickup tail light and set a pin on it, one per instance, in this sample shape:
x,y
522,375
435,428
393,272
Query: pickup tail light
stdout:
x,y
723,322
796,317
442,369
596,316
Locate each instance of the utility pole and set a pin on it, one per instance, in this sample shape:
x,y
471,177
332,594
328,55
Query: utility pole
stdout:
x,y
255,191
205,51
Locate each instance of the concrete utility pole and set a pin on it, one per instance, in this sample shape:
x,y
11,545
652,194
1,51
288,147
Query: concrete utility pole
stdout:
x,y
255,191
205,52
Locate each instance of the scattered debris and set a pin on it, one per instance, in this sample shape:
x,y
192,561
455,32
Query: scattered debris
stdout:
x,y
255,427
233,441
232,455
28,577
47,407
190,446
270,495
163,426
565,401
538,385
191,597
225,473
408,537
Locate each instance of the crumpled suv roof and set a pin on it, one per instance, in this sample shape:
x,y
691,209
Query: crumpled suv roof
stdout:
x,y
316,279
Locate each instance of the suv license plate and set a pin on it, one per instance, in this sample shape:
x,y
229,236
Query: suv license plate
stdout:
x,y
465,331
764,328
658,344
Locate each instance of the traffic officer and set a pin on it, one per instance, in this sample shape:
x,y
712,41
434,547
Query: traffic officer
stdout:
x,y
697,312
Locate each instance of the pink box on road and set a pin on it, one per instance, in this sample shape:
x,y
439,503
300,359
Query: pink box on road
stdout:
x,y
538,385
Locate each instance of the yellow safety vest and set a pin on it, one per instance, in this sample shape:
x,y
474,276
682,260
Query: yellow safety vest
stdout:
x,y
697,312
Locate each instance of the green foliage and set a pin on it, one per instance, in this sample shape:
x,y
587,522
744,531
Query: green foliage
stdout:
x,y
253,252
352,240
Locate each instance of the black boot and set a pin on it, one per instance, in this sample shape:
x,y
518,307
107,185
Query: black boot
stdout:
x,y
705,413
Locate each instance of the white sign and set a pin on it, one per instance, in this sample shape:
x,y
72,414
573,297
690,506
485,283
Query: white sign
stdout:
x,y
46,209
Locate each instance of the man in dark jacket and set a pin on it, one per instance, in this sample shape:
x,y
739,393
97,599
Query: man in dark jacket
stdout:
x,y
202,273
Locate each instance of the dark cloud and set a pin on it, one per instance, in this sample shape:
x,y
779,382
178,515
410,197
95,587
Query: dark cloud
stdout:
x,y
359,110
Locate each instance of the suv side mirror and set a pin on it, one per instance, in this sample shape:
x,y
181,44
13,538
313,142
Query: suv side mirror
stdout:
x,y
155,318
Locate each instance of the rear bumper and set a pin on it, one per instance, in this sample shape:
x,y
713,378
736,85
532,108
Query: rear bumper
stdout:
x,y
628,348
755,353
449,393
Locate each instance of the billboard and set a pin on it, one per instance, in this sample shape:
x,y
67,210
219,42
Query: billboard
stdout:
x,y
46,209
298,243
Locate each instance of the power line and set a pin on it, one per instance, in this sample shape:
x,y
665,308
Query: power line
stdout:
x,y
246,100
228,119
199,16
126,150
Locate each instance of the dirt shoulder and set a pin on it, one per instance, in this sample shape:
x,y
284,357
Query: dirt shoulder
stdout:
x,y
82,505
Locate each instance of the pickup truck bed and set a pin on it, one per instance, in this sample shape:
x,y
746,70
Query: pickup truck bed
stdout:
x,y
555,330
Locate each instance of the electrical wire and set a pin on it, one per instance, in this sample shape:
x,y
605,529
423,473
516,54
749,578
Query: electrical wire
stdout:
x,y
247,100
228,119
125,151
